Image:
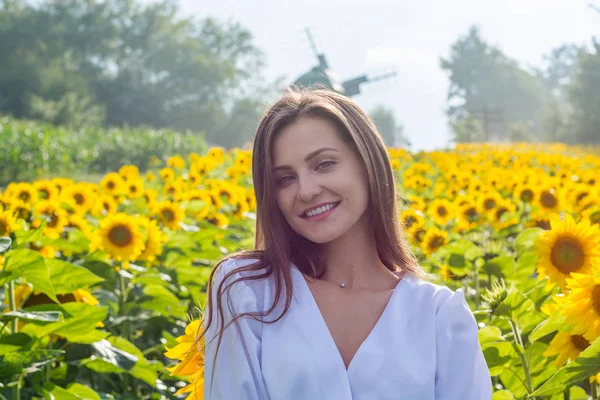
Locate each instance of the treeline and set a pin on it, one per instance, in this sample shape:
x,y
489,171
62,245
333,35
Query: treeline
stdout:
x,y
493,98
82,63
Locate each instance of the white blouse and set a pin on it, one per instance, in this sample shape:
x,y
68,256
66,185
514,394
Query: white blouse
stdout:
x,y
424,346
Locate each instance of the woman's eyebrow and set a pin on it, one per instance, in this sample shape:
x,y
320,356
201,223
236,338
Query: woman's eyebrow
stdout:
x,y
308,157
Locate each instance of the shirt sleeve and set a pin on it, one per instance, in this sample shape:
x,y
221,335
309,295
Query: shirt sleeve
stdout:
x,y
237,373
461,371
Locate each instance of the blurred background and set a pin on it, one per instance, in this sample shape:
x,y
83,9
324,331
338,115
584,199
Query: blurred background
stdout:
x,y
430,74
125,174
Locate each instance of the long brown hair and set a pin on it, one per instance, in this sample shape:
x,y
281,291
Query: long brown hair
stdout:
x,y
277,245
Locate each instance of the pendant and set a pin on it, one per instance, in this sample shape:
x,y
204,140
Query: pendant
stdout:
x,y
342,284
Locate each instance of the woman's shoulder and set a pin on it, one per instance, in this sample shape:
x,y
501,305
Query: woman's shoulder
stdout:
x,y
433,295
232,271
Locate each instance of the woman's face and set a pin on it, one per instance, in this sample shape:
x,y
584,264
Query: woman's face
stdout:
x,y
315,170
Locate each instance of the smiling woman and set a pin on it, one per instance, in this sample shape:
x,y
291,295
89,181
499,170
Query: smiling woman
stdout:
x,y
352,315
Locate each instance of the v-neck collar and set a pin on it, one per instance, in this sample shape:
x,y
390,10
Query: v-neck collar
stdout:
x,y
331,346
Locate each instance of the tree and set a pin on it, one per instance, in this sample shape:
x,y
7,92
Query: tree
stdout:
x,y
584,95
135,64
488,86
391,131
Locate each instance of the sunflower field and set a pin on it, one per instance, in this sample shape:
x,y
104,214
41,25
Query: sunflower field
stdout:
x,y
102,284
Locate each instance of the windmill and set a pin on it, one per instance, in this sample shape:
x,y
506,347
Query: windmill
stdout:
x,y
322,74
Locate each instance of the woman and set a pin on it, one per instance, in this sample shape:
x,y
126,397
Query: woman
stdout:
x,y
331,304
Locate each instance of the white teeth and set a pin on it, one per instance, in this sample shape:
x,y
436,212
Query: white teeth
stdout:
x,y
320,210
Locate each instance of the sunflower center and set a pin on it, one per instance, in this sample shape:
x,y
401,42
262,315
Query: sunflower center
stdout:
x,y
442,212
120,236
408,221
595,217
470,213
579,342
489,204
567,255
500,212
596,299
526,195
25,196
79,198
542,223
168,215
53,220
436,242
132,189
3,228
110,185
44,193
581,196
548,199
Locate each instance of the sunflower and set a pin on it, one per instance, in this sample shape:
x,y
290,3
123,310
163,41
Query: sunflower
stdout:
x,y
416,234
582,305
77,221
8,223
218,219
171,214
176,162
46,190
45,251
410,217
105,205
539,220
433,240
416,202
135,188
468,217
120,236
503,215
593,215
525,193
566,347
194,179
129,172
441,211
150,195
567,248
56,218
167,174
21,209
83,296
217,154
155,239
488,202
191,357
549,199
79,197
113,183
24,192
150,177
174,189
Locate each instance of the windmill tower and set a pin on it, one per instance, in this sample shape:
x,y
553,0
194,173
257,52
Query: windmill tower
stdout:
x,y
322,74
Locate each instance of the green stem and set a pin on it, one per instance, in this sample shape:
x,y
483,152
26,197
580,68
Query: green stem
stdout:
x,y
125,330
595,391
48,370
476,279
567,394
12,305
515,329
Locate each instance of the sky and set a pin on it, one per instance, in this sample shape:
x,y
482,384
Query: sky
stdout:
x,y
407,37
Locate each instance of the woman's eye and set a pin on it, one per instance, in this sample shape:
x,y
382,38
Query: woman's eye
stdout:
x,y
283,180
327,164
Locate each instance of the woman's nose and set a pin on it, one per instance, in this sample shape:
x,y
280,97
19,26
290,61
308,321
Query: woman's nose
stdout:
x,y
308,188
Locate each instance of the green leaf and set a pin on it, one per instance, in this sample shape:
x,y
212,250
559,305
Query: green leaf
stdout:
x,y
498,355
490,334
584,366
5,243
546,327
53,392
503,395
503,266
29,316
83,392
79,325
14,342
526,240
114,356
67,277
30,265
30,361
